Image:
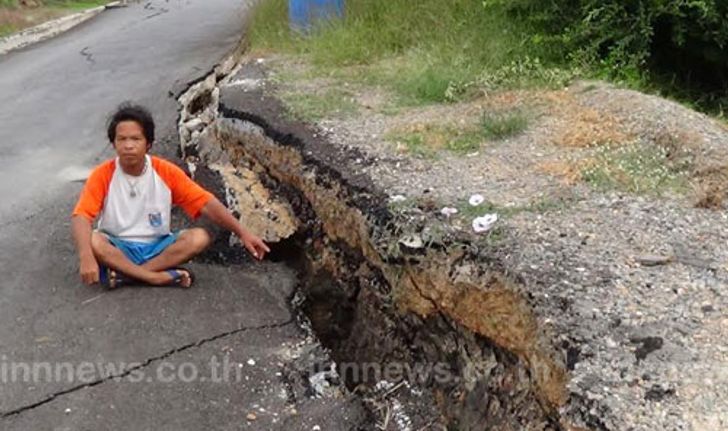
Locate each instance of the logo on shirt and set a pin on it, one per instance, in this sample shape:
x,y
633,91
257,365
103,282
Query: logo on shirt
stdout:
x,y
155,219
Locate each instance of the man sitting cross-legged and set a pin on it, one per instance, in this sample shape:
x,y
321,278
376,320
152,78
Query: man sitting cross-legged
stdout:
x,y
132,195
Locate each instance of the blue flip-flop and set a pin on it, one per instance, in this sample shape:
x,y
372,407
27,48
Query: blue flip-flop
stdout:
x,y
103,276
178,276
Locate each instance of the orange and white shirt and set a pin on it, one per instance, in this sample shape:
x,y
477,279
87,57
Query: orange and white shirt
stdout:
x,y
138,208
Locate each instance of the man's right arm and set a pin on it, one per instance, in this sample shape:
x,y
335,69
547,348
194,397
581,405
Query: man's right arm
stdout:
x,y
88,267
87,209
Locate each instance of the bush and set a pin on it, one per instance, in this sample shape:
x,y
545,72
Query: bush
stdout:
x,y
683,41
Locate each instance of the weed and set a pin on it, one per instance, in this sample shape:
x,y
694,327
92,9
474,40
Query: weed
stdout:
x,y
402,205
432,52
465,143
537,206
447,51
428,139
314,107
501,125
527,72
6,29
495,236
415,144
76,5
636,168
390,110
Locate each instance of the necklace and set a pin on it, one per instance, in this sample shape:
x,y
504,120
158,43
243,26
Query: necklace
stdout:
x,y
132,185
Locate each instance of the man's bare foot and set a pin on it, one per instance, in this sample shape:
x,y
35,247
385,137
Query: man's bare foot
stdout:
x,y
116,279
179,277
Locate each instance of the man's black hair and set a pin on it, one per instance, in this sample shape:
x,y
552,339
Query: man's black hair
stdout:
x,y
128,111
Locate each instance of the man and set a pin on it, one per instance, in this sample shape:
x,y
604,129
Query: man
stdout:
x,y
132,196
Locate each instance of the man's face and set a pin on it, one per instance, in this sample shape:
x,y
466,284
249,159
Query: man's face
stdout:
x,y
130,143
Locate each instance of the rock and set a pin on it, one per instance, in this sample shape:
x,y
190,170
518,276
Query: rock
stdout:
x,y
648,345
654,260
658,393
194,125
208,115
251,416
412,241
319,383
215,97
184,135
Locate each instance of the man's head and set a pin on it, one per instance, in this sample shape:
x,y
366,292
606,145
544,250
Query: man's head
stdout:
x,y
131,132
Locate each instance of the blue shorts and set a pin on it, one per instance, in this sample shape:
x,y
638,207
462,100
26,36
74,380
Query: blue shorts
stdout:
x,y
142,252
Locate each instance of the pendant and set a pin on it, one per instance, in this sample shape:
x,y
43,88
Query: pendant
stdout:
x,y
132,193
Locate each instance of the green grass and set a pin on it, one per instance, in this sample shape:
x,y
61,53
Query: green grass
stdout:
x,y
434,51
426,140
501,125
314,107
429,85
536,206
68,4
465,143
77,5
636,168
414,143
6,29
14,18
428,52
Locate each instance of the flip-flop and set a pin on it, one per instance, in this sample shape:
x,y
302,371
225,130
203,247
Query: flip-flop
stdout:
x,y
111,278
178,276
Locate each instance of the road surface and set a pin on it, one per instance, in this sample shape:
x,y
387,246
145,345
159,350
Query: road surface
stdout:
x,y
58,338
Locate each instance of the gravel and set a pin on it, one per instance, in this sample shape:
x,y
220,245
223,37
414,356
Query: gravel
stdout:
x,y
633,288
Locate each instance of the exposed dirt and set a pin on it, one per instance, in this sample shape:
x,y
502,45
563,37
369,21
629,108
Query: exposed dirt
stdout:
x,y
583,308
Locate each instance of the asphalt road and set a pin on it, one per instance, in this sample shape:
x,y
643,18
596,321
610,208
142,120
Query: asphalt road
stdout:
x,y
56,96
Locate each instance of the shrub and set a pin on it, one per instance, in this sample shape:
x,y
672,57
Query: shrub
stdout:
x,y
683,41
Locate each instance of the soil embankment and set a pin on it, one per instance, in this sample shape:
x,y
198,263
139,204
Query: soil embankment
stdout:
x,y
585,308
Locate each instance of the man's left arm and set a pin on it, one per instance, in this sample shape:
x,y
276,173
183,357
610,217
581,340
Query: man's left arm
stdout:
x,y
216,212
196,201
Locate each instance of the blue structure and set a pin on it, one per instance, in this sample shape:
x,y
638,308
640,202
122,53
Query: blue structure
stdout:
x,y
303,14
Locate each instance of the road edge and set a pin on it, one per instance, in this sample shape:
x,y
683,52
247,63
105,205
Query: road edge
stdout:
x,y
51,28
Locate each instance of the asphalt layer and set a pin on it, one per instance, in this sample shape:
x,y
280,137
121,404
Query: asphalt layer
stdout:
x,y
56,97
56,94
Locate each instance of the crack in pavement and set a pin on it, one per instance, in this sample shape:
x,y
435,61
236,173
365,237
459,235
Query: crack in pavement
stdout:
x,y
161,11
23,219
145,364
88,55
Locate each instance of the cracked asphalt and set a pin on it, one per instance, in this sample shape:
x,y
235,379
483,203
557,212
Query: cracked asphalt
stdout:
x,y
168,349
